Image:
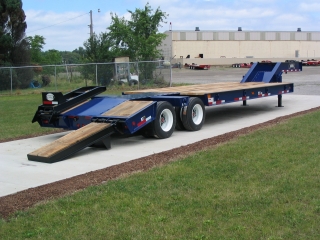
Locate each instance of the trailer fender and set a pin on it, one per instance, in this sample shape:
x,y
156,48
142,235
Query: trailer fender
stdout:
x,y
164,122
193,115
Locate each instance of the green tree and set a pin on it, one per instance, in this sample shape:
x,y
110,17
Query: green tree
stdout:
x,y
138,37
71,57
14,48
81,52
98,49
36,46
52,57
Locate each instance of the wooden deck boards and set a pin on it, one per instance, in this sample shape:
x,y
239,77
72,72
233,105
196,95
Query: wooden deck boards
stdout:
x,y
69,139
127,108
202,89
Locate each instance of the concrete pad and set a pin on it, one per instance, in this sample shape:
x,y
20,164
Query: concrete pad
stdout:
x,y
17,173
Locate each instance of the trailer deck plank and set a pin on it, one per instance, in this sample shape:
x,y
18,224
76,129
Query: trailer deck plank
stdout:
x,y
127,108
203,89
69,139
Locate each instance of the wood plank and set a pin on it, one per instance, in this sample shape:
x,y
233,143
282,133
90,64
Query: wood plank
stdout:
x,y
69,139
127,108
203,89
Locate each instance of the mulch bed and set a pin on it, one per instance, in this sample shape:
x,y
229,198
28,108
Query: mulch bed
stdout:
x,y
25,199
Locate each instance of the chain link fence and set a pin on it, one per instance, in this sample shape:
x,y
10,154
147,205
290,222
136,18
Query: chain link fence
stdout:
x,y
26,79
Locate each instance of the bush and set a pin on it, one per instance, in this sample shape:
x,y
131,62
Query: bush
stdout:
x,y
21,78
45,80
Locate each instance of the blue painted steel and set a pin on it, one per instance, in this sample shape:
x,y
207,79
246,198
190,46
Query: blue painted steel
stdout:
x,y
141,119
269,72
176,101
95,107
82,114
93,110
131,124
247,94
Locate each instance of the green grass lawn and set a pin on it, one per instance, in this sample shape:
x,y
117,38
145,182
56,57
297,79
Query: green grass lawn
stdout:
x,y
265,185
16,113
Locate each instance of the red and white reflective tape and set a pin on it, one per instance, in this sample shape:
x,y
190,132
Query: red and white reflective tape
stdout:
x,y
242,98
291,70
260,94
285,91
218,102
143,120
210,101
50,102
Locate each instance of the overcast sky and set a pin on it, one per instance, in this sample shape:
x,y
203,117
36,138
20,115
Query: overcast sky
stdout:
x,y
64,23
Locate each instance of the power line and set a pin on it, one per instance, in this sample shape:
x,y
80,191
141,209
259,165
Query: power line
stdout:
x,y
58,23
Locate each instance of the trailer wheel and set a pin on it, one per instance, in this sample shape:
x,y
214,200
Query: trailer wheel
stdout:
x,y
193,115
164,122
179,123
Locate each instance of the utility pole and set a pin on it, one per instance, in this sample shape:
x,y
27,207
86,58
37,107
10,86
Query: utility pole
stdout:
x,y
91,25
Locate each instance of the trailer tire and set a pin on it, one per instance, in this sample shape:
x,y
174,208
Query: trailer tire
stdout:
x,y
179,123
193,115
164,122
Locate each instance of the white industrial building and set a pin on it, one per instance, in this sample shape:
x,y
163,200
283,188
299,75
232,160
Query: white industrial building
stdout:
x,y
225,47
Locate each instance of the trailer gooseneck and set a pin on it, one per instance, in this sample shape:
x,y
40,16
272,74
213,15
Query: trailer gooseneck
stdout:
x,y
152,113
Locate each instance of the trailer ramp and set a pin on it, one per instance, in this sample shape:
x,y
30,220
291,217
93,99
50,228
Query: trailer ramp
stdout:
x,y
73,142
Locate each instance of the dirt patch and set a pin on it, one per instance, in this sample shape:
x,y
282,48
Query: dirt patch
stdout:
x,y
28,198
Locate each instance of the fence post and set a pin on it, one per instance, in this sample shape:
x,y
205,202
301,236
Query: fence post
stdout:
x,y
67,72
138,72
55,75
11,78
96,74
170,72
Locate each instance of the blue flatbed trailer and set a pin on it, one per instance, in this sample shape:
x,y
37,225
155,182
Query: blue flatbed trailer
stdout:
x,y
151,113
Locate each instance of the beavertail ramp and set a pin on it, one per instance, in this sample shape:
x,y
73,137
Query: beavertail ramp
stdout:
x,y
73,142
95,134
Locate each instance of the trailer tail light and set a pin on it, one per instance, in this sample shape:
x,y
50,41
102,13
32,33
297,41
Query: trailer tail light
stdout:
x,y
49,99
210,99
45,121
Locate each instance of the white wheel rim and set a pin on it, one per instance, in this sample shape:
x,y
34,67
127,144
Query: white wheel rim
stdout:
x,y
166,120
197,114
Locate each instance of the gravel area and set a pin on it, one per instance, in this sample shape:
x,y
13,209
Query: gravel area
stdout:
x,y
305,83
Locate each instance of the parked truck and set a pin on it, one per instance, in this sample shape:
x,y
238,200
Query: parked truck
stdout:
x,y
151,113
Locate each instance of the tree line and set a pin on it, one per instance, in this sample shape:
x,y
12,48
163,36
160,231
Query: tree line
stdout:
x,y
136,38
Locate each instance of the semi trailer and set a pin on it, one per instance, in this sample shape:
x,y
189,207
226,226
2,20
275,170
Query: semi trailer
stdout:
x,y
150,112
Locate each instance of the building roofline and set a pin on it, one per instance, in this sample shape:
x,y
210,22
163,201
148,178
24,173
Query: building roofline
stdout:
x,y
238,31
